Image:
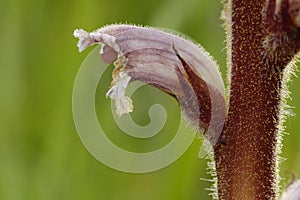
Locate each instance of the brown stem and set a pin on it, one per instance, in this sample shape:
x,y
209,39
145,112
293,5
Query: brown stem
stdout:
x,y
246,159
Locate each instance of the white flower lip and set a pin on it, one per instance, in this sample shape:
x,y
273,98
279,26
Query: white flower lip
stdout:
x,y
120,78
87,39
117,93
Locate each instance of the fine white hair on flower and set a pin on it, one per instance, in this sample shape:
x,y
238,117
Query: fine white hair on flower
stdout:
x,y
167,61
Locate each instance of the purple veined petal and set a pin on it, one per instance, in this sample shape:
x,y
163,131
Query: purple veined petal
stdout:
x,y
172,63
292,192
133,38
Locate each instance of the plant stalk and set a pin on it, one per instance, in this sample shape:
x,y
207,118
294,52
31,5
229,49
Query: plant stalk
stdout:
x,y
246,161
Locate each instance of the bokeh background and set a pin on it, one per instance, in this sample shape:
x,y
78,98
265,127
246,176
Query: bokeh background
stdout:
x,y
41,155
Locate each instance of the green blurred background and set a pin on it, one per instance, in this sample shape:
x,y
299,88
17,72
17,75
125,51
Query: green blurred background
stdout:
x,y
41,154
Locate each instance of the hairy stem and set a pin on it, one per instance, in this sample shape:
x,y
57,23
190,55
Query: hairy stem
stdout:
x,y
246,162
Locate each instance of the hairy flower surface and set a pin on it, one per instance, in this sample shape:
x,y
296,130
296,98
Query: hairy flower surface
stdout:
x,y
169,62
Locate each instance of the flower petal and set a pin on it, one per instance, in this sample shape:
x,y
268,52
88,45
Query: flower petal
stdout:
x,y
169,62
292,192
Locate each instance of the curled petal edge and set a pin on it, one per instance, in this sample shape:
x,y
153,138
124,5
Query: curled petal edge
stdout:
x,y
169,62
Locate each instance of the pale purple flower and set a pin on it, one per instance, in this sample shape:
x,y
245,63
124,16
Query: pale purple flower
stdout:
x,y
292,192
169,62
